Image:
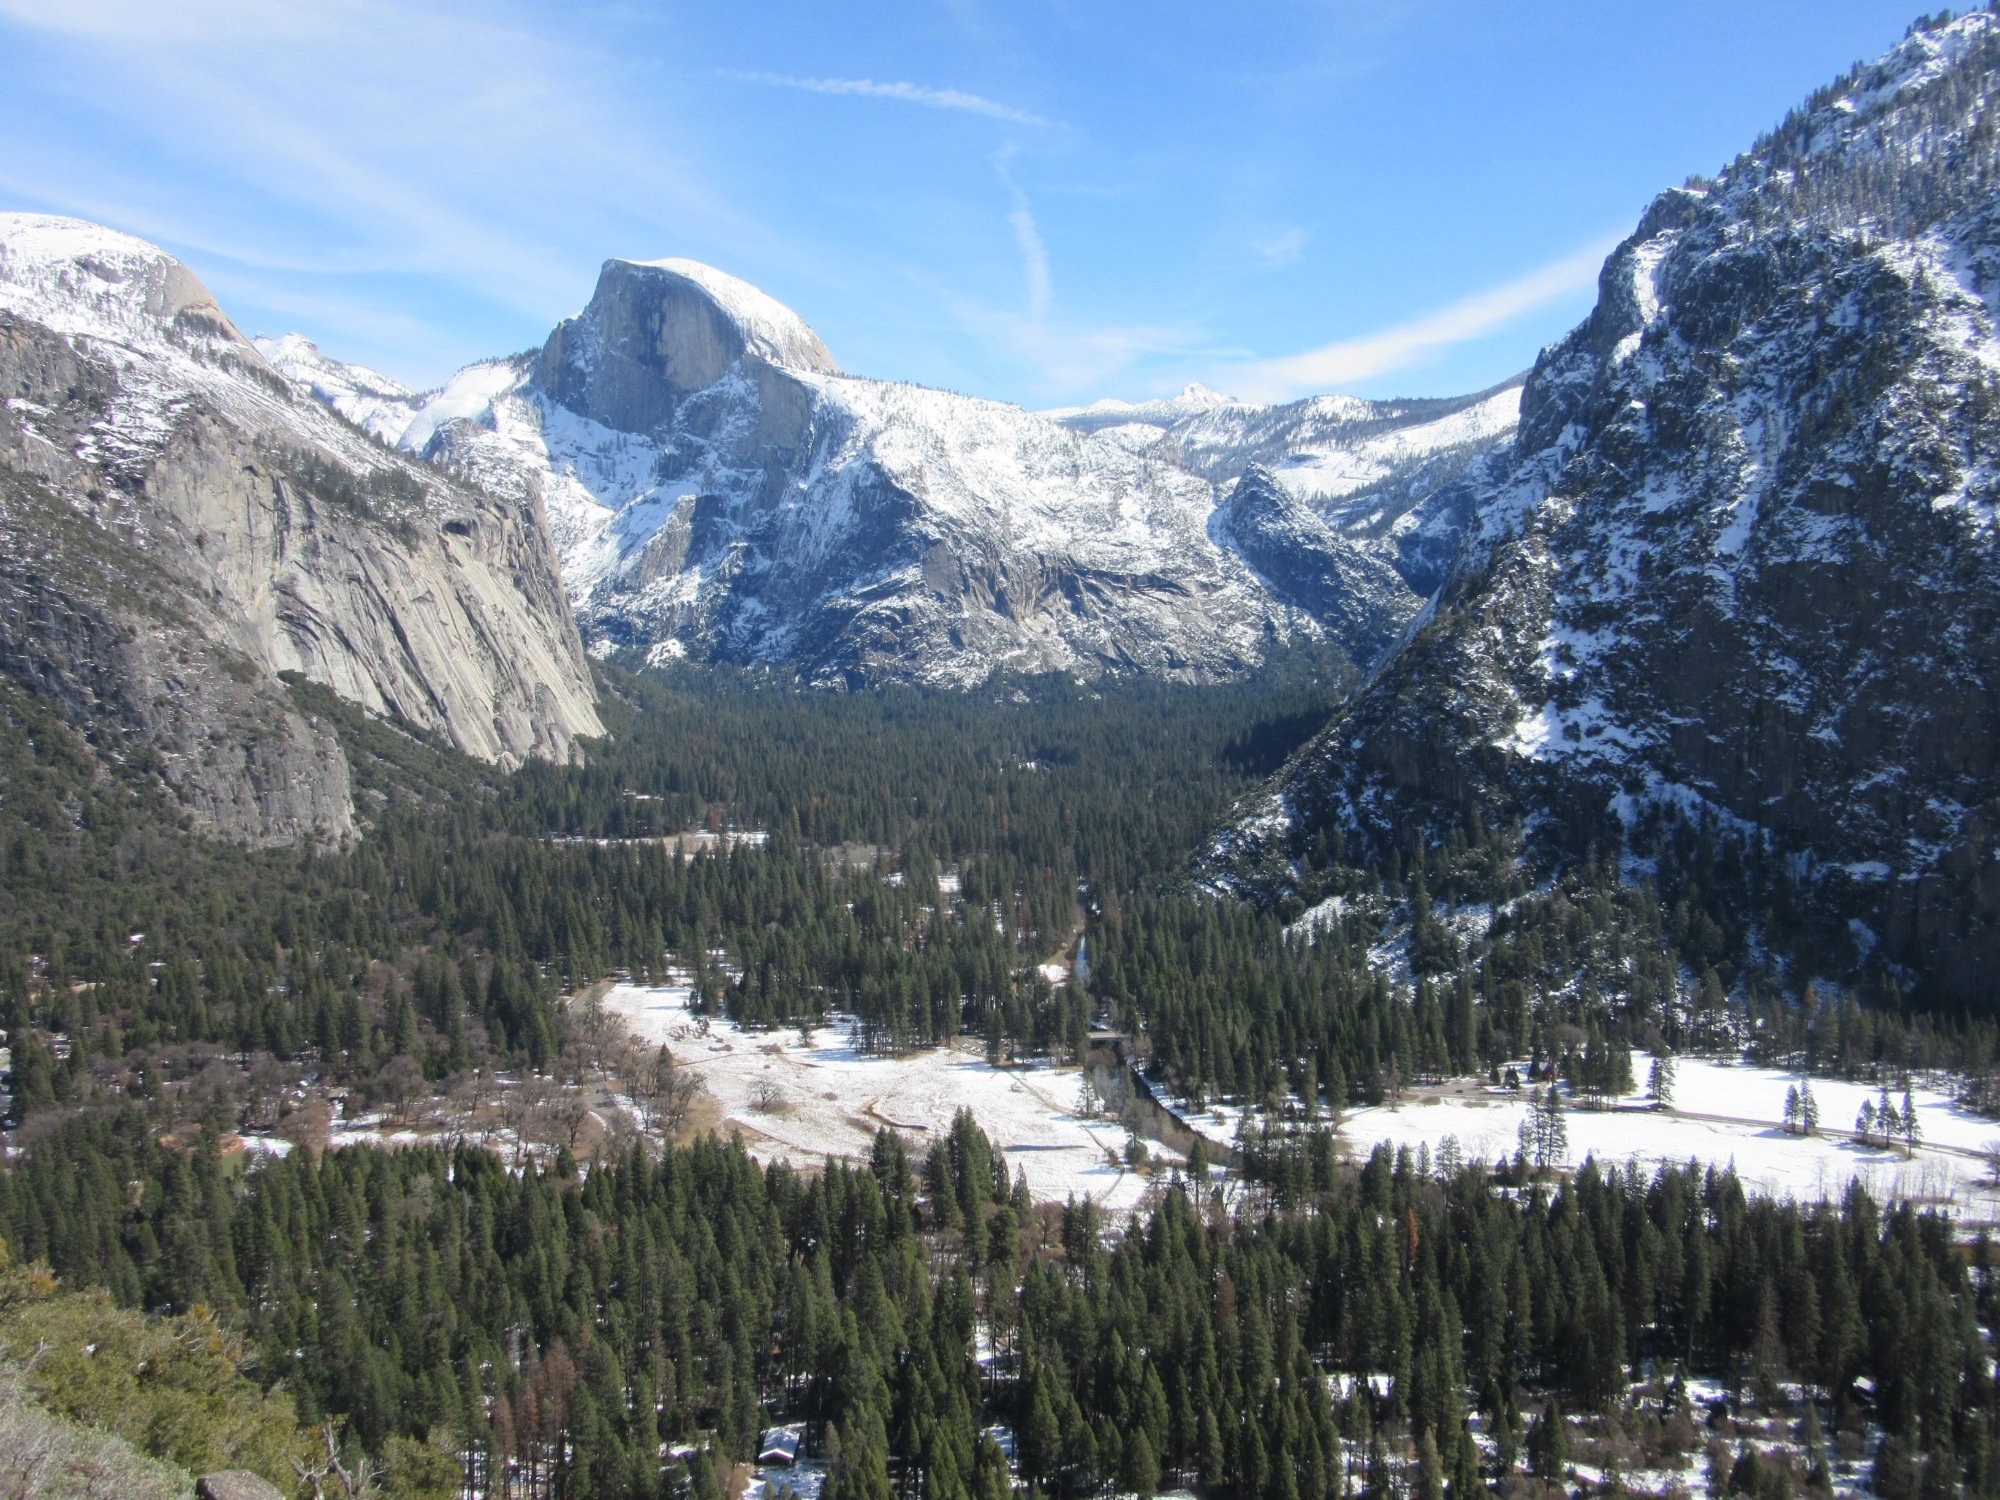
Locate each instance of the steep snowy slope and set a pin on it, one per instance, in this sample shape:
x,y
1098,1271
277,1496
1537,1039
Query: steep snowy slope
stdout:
x,y
1320,448
718,488
369,399
178,527
1745,564
1385,475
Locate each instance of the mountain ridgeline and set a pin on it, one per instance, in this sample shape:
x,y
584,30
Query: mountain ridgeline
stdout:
x,y
721,491
1739,578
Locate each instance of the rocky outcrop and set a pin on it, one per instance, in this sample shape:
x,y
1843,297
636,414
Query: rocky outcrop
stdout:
x,y
1347,587
1743,566
236,1484
181,529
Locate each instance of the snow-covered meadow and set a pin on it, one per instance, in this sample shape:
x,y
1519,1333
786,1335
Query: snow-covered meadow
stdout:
x,y
811,1103
1725,1114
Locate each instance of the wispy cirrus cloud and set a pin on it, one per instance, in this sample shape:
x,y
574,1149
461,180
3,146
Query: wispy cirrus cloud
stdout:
x,y
1061,358
1283,248
1028,236
906,93
1347,361
281,138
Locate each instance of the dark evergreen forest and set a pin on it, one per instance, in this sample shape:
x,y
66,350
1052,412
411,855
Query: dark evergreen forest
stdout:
x,y
628,1324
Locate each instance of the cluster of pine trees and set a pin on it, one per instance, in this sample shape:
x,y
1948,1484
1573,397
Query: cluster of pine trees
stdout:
x,y
447,935
558,1331
1569,976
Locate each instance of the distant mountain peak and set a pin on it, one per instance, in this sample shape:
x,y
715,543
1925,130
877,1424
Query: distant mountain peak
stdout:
x,y
1194,399
368,398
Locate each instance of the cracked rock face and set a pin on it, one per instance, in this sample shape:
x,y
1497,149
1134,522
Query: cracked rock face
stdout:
x,y
180,528
1743,564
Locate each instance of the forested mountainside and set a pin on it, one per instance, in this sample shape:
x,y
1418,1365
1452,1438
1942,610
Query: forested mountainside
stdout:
x,y
720,490
1740,571
178,530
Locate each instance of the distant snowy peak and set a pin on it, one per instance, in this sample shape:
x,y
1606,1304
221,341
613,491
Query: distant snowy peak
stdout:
x,y
1320,447
369,399
1193,400
1328,447
84,280
768,328
298,358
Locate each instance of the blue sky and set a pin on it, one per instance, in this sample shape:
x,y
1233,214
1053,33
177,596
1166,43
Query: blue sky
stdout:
x,y
1038,200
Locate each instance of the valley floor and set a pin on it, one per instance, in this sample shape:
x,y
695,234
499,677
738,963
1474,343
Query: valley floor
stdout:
x,y
1723,1114
813,1103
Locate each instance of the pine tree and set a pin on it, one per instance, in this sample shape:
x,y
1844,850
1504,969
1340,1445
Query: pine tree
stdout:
x,y
1544,1133
1660,1081
1140,1470
1548,1445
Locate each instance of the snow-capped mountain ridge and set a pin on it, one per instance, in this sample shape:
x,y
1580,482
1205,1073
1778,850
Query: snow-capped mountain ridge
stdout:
x,y
372,401
86,281
1319,447
1743,565
1194,399
718,487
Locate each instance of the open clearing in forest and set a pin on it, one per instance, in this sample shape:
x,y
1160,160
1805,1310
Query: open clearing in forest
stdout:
x,y
1724,1114
808,1103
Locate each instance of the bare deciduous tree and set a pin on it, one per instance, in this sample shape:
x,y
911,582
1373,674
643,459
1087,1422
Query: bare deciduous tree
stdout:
x,y
521,1105
330,1478
566,1117
310,1126
399,1084
662,1091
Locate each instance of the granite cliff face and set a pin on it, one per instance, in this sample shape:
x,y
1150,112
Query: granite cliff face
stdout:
x,y
1347,585
719,489
180,528
1743,564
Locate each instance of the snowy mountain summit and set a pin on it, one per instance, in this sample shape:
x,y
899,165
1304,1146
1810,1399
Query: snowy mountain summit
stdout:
x,y
1739,578
720,489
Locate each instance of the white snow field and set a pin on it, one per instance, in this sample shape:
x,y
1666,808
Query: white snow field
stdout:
x,y
1724,1114
830,1099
